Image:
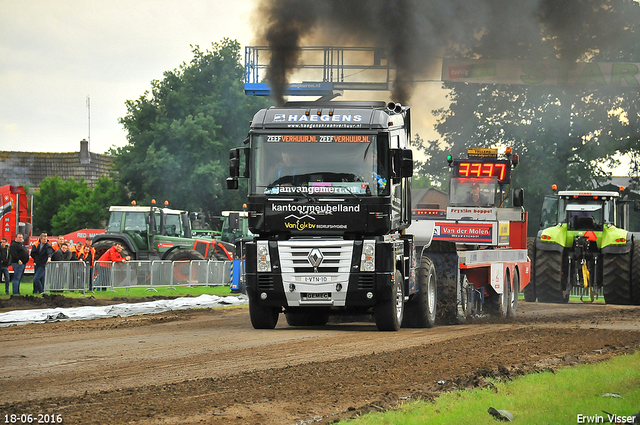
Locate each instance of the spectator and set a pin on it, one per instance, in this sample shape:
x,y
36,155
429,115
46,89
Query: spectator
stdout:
x,y
41,255
63,253
5,262
19,259
56,245
76,251
112,255
89,257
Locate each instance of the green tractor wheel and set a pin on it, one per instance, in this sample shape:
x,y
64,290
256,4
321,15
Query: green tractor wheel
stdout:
x,y
635,273
616,278
548,277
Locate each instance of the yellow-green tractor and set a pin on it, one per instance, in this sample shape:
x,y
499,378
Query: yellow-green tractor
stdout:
x,y
584,243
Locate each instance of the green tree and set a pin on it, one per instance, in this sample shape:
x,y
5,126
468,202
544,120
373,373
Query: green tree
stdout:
x,y
62,207
564,135
180,133
89,209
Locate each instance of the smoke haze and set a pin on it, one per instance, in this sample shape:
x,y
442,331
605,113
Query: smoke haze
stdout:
x,y
415,34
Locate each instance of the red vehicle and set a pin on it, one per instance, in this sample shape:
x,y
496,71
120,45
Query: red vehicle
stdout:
x,y
478,246
17,217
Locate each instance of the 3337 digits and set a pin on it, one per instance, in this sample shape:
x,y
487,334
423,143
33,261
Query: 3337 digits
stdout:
x,y
29,418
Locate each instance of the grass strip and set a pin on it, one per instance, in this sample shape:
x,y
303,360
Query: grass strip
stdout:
x,y
566,396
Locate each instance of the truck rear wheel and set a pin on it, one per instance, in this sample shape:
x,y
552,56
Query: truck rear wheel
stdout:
x,y
616,278
512,310
548,277
464,304
421,311
389,312
635,273
262,317
499,303
530,289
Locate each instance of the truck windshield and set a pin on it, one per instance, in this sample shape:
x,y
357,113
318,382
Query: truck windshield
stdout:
x,y
318,164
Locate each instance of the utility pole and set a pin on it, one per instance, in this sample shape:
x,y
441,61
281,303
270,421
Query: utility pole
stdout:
x,y
89,121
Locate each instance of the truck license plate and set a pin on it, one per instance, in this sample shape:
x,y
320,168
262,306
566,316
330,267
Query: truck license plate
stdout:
x,y
316,296
315,279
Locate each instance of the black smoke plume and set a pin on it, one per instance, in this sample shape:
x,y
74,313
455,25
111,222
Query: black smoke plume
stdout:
x,y
416,33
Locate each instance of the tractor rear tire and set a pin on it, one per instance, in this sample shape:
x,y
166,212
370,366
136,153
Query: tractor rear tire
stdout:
x,y
262,317
616,278
182,272
635,273
389,312
420,312
530,290
548,277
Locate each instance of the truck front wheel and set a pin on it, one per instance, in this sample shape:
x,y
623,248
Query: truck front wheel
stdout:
x,y
389,312
262,317
421,311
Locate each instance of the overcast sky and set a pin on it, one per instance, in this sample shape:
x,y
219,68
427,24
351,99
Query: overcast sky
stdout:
x,y
55,53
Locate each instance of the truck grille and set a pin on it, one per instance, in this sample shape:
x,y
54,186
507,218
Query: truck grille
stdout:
x,y
336,256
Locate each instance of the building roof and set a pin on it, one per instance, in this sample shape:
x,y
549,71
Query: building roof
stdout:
x,y
30,168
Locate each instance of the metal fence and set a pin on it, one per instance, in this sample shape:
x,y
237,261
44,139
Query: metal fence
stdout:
x,y
77,276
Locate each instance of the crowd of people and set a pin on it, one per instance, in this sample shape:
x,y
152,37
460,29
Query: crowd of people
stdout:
x,y
16,255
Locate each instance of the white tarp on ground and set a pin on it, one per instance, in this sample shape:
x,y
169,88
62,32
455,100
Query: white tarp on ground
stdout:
x,y
21,317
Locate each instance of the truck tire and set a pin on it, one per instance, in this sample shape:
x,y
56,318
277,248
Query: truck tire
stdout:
x,y
420,312
262,317
464,307
635,273
530,290
498,304
182,271
306,317
389,312
512,310
616,278
548,277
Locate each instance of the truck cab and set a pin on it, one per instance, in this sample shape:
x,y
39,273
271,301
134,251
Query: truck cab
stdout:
x,y
328,201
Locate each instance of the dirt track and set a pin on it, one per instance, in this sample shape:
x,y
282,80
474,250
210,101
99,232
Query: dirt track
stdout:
x,y
211,366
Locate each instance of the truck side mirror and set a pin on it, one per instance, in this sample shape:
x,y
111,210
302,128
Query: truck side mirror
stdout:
x,y
232,183
234,163
518,197
407,163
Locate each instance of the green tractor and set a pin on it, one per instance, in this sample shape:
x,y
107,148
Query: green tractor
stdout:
x,y
584,243
153,233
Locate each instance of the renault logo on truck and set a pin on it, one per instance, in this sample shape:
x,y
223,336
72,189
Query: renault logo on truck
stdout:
x,y
315,258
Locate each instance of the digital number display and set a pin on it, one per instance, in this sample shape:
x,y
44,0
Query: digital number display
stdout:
x,y
501,169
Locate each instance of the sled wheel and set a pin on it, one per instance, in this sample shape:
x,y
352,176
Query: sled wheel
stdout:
x,y
420,312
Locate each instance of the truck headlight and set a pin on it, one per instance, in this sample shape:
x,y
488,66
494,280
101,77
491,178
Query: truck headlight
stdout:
x,y
368,259
264,260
